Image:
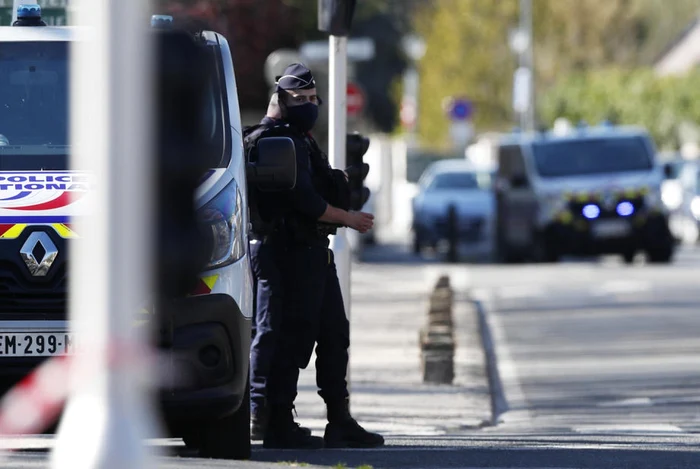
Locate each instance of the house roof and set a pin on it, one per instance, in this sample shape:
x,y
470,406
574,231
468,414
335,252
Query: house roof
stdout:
x,y
682,36
682,53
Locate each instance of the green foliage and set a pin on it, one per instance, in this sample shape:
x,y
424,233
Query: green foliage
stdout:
x,y
578,45
467,55
636,97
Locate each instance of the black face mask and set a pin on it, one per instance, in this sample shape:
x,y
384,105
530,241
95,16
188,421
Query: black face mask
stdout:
x,y
303,117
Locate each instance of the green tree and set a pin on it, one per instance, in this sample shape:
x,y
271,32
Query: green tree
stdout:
x,y
467,55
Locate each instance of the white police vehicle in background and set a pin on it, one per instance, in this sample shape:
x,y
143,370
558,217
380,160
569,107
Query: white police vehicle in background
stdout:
x,y
207,335
588,191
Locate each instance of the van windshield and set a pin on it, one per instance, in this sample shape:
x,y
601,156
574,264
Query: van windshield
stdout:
x,y
34,93
35,112
592,156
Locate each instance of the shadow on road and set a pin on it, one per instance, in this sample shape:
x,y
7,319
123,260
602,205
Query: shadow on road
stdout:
x,y
513,454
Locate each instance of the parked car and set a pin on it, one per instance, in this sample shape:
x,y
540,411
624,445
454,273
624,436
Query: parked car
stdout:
x,y
466,187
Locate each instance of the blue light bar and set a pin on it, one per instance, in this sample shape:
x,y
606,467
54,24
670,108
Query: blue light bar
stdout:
x,y
28,11
591,211
625,209
160,21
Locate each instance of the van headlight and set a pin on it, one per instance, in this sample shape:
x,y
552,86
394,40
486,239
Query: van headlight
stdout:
x,y
221,222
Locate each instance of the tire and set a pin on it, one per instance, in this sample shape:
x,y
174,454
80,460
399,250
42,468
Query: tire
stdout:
x,y
628,256
192,438
506,256
663,255
417,245
543,253
229,437
369,240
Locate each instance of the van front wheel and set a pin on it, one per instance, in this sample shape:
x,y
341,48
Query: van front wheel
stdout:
x,y
229,437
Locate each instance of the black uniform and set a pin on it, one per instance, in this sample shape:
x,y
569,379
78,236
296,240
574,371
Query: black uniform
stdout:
x,y
314,312
268,246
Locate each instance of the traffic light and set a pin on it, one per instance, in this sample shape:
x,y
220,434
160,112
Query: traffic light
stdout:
x,y
181,78
357,169
335,16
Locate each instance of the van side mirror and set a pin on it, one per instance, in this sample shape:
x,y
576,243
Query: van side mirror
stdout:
x,y
275,168
518,182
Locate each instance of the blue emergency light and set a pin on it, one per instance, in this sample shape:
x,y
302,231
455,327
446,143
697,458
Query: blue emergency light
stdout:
x,y
591,211
161,21
625,209
28,11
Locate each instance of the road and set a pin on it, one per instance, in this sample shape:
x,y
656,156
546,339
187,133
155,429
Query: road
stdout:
x,y
598,354
593,365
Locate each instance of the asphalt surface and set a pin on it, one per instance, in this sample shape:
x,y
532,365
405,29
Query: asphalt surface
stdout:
x,y
593,364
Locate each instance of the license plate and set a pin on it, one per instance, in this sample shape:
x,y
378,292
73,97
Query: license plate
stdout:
x,y
35,344
611,229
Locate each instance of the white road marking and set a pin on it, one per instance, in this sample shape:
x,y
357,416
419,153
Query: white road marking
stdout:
x,y
615,287
633,402
629,428
521,291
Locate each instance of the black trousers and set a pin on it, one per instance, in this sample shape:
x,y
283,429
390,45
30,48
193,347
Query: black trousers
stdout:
x,y
314,316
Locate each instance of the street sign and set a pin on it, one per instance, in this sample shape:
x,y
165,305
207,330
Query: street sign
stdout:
x,y
358,49
355,100
459,109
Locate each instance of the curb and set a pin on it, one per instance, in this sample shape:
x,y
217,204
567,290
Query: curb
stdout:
x,y
499,403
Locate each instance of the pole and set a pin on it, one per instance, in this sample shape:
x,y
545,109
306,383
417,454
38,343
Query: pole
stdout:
x,y
337,132
108,416
527,118
16,5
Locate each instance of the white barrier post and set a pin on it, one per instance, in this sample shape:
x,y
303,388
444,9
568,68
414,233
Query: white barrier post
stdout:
x,y
108,415
337,138
337,126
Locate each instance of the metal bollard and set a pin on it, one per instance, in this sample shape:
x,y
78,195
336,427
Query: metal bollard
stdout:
x,y
452,234
437,336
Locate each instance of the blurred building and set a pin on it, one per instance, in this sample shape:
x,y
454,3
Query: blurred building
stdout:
x,y
683,54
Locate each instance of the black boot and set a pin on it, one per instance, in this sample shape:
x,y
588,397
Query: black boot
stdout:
x,y
259,421
343,431
283,432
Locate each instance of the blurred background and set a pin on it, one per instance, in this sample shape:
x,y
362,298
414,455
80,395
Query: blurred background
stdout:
x,y
437,79
504,132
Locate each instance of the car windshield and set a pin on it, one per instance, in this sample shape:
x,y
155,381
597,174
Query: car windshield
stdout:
x,y
35,113
592,156
460,180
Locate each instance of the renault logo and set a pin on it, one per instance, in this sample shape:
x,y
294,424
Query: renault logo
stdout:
x,y
39,253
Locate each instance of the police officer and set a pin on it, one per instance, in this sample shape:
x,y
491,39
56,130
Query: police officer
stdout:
x,y
270,239
315,314
267,248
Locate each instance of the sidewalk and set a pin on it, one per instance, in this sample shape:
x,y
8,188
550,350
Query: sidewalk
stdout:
x,y
389,306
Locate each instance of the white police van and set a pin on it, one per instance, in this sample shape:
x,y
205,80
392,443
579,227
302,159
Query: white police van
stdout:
x,y
587,191
209,332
